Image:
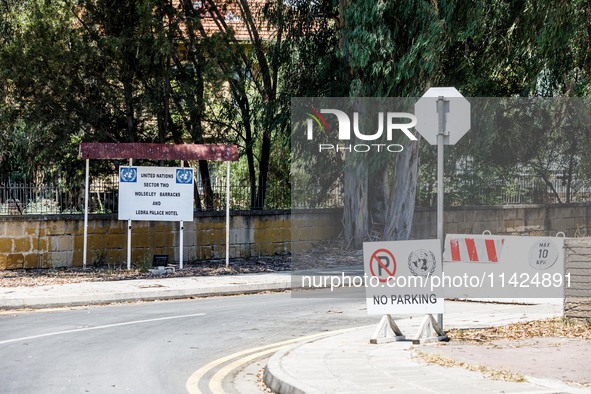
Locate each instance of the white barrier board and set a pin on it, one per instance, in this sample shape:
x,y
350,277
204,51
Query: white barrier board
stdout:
x,y
504,266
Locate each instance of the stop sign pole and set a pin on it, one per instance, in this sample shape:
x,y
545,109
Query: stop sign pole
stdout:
x,y
440,190
439,109
440,187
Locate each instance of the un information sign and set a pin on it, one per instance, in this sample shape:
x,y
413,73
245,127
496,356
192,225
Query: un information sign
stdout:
x,y
156,193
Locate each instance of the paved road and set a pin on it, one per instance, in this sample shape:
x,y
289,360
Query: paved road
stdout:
x,y
152,347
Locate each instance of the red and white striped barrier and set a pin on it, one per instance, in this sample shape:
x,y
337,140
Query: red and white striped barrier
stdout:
x,y
473,248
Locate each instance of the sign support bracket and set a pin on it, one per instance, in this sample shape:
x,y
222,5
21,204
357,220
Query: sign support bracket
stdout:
x,y
383,333
424,333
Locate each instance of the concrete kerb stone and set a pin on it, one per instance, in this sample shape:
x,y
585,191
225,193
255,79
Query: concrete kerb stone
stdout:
x,y
278,380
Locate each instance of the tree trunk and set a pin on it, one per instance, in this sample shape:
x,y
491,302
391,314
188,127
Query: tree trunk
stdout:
x,y
129,110
401,205
264,169
355,211
197,117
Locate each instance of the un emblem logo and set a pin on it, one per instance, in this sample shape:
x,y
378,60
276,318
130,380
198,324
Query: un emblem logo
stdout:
x,y
128,174
422,262
184,176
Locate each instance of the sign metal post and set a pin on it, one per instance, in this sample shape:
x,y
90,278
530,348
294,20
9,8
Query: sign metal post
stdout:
x,y
440,186
86,186
129,233
443,117
227,214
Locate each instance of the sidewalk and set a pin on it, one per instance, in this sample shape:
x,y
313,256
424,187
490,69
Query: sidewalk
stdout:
x,y
347,363
88,293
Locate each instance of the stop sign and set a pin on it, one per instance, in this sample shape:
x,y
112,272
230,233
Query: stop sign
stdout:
x,y
457,115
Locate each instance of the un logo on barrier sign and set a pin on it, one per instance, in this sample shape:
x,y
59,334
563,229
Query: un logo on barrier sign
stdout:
x,y
128,174
422,262
184,176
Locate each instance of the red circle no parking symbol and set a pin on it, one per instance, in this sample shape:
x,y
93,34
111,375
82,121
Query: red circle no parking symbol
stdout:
x,y
382,264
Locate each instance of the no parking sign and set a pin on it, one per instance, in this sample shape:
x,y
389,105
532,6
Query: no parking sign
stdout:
x,y
399,277
382,265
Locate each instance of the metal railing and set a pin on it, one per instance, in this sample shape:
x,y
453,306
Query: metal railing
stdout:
x,y
61,198
519,190
21,198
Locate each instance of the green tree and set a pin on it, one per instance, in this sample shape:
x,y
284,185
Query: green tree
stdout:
x,y
37,74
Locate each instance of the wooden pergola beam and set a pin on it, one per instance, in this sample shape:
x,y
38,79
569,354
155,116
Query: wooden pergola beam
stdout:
x,y
139,150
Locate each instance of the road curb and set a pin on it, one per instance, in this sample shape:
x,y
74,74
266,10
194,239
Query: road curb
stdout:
x,y
278,380
57,301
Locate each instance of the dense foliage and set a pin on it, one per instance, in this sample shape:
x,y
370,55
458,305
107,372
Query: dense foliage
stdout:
x,y
181,71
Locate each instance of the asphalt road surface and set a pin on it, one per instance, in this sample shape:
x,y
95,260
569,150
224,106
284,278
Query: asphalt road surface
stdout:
x,y
153,347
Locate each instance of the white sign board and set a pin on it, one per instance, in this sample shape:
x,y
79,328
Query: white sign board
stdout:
x,y
156,193
398,277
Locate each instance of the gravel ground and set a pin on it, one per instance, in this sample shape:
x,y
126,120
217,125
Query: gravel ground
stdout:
x,y
40,277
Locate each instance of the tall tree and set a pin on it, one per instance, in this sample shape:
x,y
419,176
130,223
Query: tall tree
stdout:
x,y
392,48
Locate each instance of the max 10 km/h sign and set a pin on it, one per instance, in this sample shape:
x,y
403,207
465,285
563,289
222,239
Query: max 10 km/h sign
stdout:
x,y
156,193
399,277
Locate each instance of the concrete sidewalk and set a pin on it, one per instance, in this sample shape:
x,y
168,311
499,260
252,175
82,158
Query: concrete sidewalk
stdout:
x,y
89,293
348,363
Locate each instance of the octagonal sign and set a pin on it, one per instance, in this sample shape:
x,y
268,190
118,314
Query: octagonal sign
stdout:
x,y
457,115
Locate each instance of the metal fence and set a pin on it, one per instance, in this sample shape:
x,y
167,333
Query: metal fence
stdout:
x,y
519,190
23,198
61,198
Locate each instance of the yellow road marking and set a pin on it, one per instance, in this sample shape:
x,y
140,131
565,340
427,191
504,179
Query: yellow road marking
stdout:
x,y
215,385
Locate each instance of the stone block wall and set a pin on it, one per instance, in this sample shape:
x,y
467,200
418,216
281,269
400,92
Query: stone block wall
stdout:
x,y
57,241
577,293
572,219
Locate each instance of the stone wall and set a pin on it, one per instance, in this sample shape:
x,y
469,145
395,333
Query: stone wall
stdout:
x,y
56,241
572,219
577,296
51,241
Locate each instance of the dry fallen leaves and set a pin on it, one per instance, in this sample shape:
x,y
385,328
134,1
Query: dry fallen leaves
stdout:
x,y
498,374
557,328
326,255
549,328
